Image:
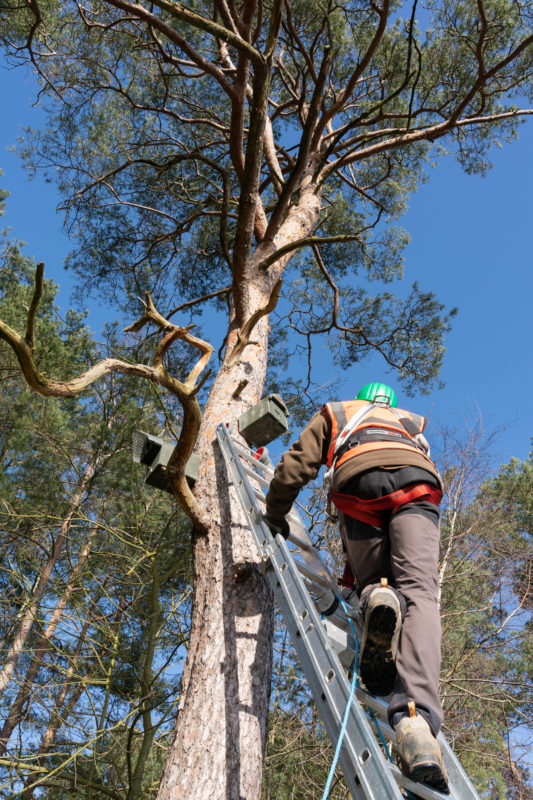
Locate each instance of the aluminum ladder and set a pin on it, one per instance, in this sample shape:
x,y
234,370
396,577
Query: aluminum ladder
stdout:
x,y
305,591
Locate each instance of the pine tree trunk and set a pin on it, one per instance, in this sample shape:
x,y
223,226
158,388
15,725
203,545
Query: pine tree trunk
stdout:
x,y
218,746
219,740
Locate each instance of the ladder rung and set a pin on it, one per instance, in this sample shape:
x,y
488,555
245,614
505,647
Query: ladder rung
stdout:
x,y
256,476
312,575
368,775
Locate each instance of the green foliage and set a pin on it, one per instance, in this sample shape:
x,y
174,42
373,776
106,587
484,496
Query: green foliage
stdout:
x,y
160,134
100,668
144,139
486,610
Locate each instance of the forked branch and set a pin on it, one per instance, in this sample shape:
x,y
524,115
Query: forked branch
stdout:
x,y
156,372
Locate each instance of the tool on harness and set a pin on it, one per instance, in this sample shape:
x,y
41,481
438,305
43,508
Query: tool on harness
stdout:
x,y
374,512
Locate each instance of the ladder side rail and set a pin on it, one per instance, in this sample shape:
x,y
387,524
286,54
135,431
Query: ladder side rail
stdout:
x,y
265,468
263,473
419,790
298,535
313,568
460,786
302,543
360,758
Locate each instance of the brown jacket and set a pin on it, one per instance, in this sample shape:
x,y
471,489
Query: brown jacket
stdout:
x,y
301,464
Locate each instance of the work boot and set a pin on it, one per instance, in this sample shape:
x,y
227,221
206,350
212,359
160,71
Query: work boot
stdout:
x,y
379,643
419,753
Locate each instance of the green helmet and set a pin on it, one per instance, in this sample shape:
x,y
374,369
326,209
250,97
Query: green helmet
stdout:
x,y
378,393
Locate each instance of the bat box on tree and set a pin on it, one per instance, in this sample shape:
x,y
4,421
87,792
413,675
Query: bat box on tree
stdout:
x,y
155,454
265,421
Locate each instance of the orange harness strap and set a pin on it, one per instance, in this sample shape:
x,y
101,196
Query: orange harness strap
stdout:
x,y
373,512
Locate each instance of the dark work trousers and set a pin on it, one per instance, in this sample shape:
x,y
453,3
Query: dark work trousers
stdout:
x,y
405,550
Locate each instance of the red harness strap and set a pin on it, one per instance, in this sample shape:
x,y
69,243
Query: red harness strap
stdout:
x,y
374,512
347,577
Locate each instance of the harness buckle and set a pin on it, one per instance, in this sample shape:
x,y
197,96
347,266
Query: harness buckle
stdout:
x,y
331,509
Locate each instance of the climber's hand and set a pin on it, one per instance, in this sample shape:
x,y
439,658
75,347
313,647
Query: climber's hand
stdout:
x,y
278,525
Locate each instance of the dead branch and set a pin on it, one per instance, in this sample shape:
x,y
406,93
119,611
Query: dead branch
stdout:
x,y
186,391
189,303
39,272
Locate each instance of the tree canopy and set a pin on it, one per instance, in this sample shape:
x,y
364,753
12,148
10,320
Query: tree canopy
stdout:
x,y
254,159
156,119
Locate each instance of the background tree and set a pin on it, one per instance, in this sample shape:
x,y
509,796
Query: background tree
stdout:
x,y
229,154
486,571
95,577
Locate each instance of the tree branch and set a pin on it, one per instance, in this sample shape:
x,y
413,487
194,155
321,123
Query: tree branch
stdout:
x,y
252,167
179,11
34,304
305,242
189,303
336,107
430,133
185,391
304,149
172,35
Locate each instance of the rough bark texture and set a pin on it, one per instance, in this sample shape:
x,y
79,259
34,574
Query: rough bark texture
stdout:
x,y
218,745
231,624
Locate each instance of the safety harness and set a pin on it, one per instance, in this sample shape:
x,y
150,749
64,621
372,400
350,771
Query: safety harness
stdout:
x,y
375,512
344,437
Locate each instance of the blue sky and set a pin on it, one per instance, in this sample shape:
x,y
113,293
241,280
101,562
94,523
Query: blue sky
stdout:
x,y
470,243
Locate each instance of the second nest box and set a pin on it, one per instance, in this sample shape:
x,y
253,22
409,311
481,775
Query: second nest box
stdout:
x,y
265,421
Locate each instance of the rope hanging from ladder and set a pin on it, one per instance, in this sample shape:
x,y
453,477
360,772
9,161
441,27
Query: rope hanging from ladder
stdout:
x,y
353,687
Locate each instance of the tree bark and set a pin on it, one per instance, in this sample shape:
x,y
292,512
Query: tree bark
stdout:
x,y
219,739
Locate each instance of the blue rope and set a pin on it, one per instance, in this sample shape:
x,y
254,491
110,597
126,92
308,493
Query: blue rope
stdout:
x,y
355,684
333,767
380,732
384,743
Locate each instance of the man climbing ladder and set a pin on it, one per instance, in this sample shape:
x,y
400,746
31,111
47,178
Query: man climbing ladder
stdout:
x,y
387,491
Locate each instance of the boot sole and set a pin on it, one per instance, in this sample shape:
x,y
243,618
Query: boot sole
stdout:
x,y
377,668
430,774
